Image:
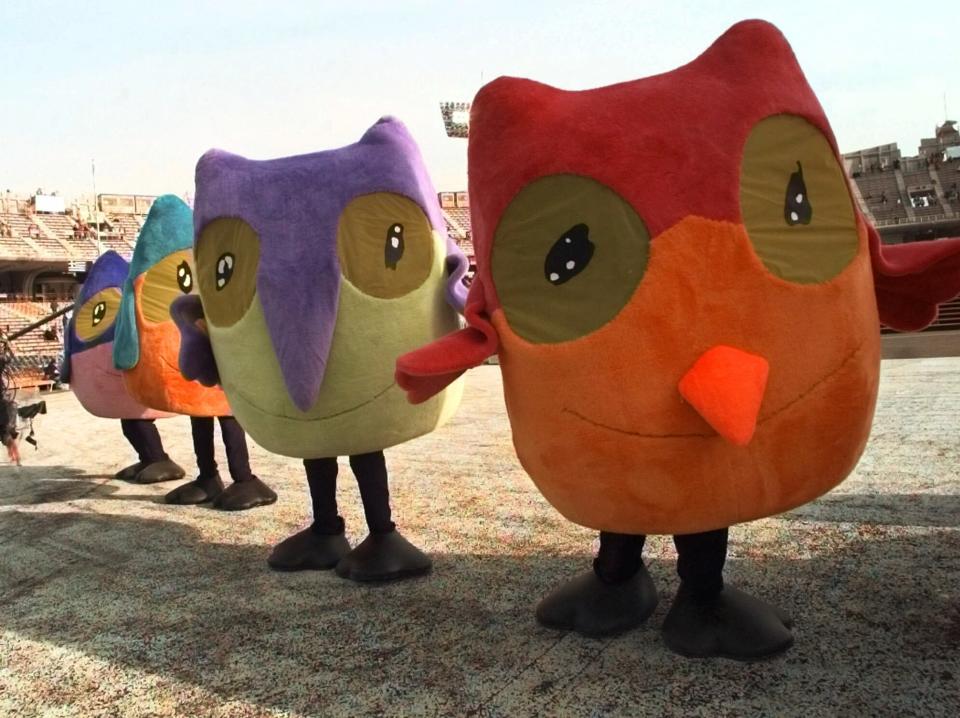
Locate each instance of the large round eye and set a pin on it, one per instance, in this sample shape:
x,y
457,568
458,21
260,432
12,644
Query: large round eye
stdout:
x,y
224,271
97,314
567,256
184,277
228,255
385,244
795,201
168,279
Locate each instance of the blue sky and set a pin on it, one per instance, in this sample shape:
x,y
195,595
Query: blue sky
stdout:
x,y
146,88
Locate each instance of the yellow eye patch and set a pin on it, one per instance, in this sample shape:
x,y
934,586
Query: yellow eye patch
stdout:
x,y
795,201
385,244
97,314
170,278
228,254
567,256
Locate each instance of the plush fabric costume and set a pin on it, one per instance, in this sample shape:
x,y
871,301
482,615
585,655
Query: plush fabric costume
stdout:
x,y
88,368
684,299
147,348
315,273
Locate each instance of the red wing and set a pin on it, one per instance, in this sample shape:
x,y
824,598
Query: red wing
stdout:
x,y
912,280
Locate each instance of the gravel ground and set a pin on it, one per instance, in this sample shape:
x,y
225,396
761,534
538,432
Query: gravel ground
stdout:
x,y
113,604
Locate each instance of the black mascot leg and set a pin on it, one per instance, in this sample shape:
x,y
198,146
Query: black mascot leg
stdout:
x,y
371,472
617,595
207,486
247,491
154,465
202,429
128,473
321,545
384,555
709,618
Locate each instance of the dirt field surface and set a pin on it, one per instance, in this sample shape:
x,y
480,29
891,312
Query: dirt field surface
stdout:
x,y
115,604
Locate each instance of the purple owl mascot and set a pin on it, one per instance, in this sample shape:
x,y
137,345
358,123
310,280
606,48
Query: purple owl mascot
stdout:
x,y
315,273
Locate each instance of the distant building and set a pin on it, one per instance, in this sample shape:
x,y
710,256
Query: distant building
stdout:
x,y
910,198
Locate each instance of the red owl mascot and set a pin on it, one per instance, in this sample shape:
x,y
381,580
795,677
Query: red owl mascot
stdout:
x,y
686,302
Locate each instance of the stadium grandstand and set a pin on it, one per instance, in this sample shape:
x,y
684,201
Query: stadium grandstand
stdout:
x,y
910,199
455,207
46,245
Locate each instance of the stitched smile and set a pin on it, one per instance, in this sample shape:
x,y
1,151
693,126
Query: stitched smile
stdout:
x,y
706,435
253,405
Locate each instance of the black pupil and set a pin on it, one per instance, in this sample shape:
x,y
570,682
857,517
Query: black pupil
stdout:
x,y
99,312
796,206
184,277
393,246
569,255
224,270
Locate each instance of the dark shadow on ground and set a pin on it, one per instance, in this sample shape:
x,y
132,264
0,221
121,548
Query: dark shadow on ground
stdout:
x,y
877,626
33,485
931,510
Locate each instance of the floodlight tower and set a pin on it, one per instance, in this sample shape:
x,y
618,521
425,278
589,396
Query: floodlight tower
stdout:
x,y
456,121
96,213
456,118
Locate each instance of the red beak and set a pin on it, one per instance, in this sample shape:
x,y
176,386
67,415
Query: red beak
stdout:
x,y
726,387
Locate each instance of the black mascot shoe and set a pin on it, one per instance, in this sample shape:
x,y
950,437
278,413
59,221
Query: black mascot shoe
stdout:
x,y
384,557
158,471
198,491
308,551
130,472
731,624
595,608
243,495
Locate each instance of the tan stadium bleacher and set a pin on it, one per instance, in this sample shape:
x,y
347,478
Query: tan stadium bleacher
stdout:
x,y
130,226
466,246
948,317
949,176
877,186
915,178
461,216
49,246
66,230
16,248
54,237
457,220
932,210
61,224
112,240
34,350
30,240
449,226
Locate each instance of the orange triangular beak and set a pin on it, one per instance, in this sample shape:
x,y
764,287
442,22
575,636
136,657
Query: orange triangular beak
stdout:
x,y
726,386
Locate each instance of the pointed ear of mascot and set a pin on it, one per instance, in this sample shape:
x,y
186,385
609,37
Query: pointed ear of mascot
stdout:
x,y
147,345
647,313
